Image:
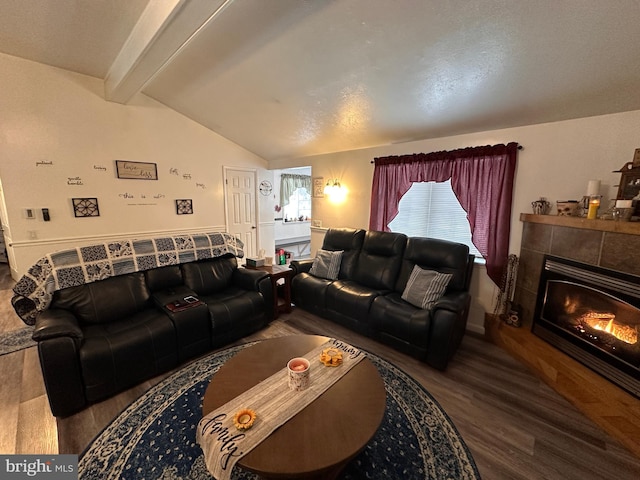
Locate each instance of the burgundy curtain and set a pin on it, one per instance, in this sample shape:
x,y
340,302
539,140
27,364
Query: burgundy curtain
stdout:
x,y
482,180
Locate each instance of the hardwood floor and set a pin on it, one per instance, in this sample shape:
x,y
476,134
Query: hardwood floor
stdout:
x,y
515,425
8,319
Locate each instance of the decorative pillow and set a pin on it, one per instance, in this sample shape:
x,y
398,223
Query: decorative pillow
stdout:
x,y
424,287
326,264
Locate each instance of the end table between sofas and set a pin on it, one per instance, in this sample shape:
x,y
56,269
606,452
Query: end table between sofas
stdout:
x,y
277,272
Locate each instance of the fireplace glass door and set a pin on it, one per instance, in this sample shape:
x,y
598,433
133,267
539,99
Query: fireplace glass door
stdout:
x,y
592,314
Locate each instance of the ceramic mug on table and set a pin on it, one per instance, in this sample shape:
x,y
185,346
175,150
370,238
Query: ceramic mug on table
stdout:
x,y
298,373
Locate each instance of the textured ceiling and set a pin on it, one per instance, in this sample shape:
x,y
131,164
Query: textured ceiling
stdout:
x,y
291,78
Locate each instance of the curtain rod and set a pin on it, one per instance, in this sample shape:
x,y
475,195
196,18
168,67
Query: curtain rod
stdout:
x,y
520,147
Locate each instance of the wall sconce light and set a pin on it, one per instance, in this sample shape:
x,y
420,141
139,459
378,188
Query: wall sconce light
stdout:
x,y
334,190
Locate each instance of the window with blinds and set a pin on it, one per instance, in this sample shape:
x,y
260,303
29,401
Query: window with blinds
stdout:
x,y
431,209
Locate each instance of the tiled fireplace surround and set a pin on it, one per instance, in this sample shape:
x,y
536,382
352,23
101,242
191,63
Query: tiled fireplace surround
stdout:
x,y
608,244
604,243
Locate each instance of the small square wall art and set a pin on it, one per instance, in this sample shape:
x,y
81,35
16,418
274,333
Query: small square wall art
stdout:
x,y
184,207
85,207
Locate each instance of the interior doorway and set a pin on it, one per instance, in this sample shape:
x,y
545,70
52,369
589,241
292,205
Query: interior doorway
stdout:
x,y
292,214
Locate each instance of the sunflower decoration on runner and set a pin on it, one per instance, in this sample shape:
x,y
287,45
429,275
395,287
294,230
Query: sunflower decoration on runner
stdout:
x,y
243,419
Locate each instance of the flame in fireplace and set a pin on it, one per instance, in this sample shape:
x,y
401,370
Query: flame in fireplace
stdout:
x,y
605,322
570,305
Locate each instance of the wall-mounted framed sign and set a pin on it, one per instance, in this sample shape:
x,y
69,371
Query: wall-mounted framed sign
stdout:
x,y
318,187
136,170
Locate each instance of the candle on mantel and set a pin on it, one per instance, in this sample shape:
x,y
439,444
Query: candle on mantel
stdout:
x,y
593,188
594,203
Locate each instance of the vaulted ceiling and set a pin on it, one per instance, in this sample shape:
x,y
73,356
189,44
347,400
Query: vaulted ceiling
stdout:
x,y
289,78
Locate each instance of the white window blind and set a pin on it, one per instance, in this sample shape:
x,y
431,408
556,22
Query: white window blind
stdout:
x,y
431,209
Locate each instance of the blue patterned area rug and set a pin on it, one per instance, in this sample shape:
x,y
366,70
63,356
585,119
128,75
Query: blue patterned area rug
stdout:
x,y
16,340
155,437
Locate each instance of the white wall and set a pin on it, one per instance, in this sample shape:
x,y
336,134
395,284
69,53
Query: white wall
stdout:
x,y
557,162
59,140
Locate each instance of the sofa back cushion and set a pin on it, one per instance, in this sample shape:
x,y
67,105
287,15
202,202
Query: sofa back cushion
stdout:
x,y
163,278
105,301
209,276
434,254
349,240
379,261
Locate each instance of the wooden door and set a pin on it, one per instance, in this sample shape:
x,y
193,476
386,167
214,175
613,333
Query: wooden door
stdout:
x,y
240,199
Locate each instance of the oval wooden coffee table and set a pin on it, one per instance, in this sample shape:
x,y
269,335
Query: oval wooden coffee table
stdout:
x,y
320,440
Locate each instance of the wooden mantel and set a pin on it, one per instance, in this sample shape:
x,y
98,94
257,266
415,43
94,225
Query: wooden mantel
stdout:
x,y
629,228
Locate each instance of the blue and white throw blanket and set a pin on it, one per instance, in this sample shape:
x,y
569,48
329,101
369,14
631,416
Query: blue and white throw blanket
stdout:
x,y
80,265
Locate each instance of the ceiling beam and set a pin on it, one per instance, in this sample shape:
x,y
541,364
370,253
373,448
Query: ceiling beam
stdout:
x,y
164,28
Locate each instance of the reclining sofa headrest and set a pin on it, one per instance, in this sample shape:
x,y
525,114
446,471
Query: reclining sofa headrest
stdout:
x,y
435,254
379,260
163,277
208,276
105,301
350,241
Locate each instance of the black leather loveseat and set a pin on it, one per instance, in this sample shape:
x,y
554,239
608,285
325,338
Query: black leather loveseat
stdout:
x,y
366,296
99,338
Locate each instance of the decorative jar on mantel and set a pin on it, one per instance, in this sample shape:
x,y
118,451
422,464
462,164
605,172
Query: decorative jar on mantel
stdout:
x,y
541,207
568,208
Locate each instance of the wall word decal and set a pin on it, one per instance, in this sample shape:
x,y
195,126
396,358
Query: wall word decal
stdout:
x,y
173,171
143,204
100,167
201,185
74,181
136,170
44,162
186,176
127,195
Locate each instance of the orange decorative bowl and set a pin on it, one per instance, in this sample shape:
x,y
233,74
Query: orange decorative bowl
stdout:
x,y
331,357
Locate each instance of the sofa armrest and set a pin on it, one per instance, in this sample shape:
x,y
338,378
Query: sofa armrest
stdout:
x,y
59,336
248,279
448,325
256,280
164,297
56,323
61,372
301,266
456,302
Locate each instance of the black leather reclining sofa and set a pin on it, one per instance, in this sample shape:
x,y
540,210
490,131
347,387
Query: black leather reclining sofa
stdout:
x,y
367,294
101,338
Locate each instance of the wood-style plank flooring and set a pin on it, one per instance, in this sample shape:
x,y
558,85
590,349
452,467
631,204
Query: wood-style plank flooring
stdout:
x,y
515,426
